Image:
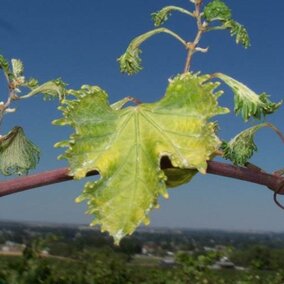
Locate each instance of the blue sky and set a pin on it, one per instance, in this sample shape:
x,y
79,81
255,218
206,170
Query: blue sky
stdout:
x,y
79,41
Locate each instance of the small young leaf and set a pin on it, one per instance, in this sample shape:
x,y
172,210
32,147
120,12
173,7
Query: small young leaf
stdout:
x,y
270,107
17,153
18,74
217,10
125,146
50,89
17,67
4,64
247,102
241,148
161,16
239,31
32,83
130,62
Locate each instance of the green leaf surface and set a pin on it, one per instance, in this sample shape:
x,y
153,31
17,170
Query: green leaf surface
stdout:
x,y
17,67
242,147
217,10
50,89
4,64
247,102
177,176
32,83
130,61
161,16
18,78
238,31
126,145
17,153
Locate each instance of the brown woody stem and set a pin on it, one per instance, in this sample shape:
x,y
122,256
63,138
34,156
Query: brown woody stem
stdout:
x,y
192,46
274,182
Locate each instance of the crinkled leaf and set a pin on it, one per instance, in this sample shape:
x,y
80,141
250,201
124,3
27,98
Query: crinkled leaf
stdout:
x,y
17,67
126,145
161,16
50,89
238,31
270,106
242,147
17,153
15,75
32,83
217,10
4,64
130,61
247,102
18,73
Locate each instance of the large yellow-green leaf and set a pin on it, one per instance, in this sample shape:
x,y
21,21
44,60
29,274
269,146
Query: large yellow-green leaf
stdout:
x,y
125,145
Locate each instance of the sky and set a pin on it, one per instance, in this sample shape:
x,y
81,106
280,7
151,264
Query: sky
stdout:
x,y
80,41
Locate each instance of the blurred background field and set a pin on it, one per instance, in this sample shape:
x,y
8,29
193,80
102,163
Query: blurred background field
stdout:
x,y
47,253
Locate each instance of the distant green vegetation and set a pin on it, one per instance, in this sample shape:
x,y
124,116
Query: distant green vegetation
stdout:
x,y
260,257
67,255
105,266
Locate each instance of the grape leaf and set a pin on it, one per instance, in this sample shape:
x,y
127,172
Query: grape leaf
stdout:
x,y
18,74
32,83
242,147
50,89
247,102
130,61
17,67
161,16
177,176
126,145
217,10
4,64
17,153
239,31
